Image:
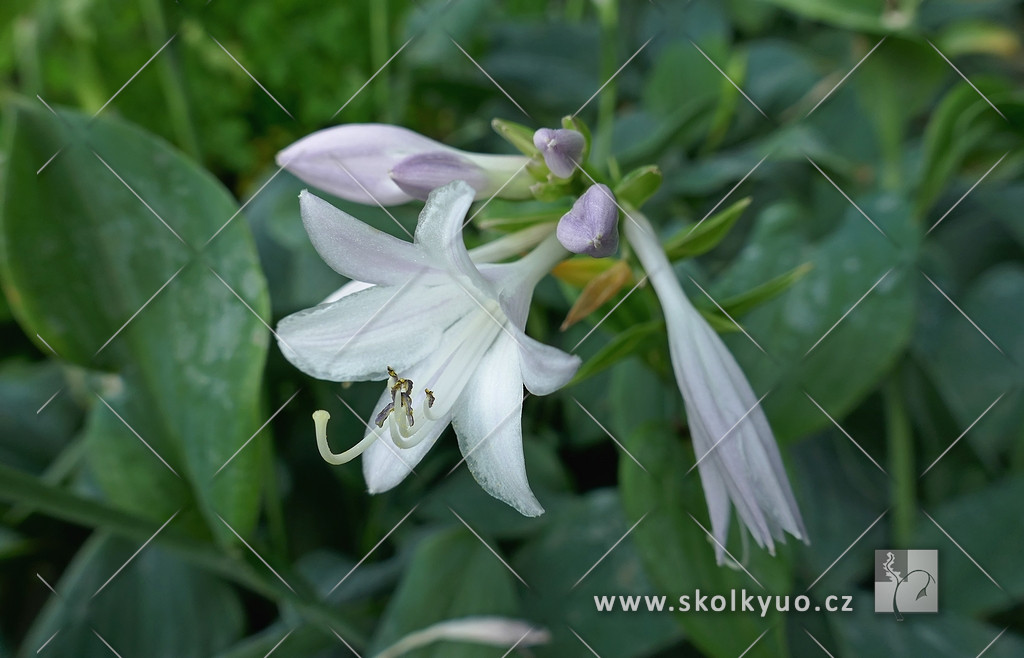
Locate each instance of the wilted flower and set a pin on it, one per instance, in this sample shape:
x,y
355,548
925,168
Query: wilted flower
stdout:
x,y
737,456
446,334
592,226
377,163
561,148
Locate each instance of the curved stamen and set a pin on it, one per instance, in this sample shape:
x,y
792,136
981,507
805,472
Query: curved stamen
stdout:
x,y
320,418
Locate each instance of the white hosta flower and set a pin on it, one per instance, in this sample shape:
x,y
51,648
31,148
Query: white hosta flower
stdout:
x,y
738,458
376,163
446,334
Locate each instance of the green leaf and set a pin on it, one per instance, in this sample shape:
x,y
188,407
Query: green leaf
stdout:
x,y
864,15
142,610
142,289
704,236
638,186
744,302
517,135
509,216
561,593
451,575
634,340
838,369
680,557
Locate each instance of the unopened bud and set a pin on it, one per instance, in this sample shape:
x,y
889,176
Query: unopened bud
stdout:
x,y
562,149
592,226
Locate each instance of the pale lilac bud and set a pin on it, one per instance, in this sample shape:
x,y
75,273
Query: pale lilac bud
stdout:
x,y
355,161
561,148
592,226
418,175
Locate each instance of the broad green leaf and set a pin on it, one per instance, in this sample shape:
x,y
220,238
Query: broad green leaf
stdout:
x,y
451,575
155,606
38,414
864,15
115,272
680,557
799,359
561,593
704,236
978,522
970,372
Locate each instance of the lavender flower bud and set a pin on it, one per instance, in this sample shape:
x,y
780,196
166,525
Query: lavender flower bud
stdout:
x,y
592,226
562,149
418,175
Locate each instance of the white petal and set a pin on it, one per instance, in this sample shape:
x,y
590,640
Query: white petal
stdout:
x,y
349,288
439,233
357,250
488,422
353,161
385,465
544,368
356,337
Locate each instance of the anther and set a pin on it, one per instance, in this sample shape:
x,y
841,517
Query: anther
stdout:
x,y
430,397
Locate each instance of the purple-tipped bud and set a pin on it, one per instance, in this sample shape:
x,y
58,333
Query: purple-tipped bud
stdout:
x,y
561,148
418,175
592,226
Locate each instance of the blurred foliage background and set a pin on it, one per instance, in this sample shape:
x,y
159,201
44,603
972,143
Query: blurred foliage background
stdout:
x,y
897,180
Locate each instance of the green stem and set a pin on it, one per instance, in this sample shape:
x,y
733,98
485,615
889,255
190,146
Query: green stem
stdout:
x,y
608,15
901,463
378,55
170,81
